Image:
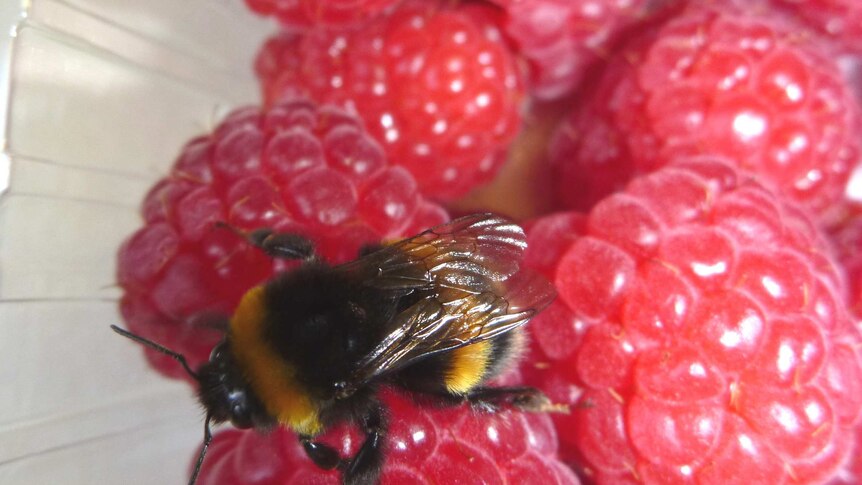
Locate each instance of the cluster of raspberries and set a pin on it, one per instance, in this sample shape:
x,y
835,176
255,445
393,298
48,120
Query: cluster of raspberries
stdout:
x,y
689,176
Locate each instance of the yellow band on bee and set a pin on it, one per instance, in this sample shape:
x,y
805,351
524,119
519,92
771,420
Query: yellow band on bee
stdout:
x,y
271,377
467,367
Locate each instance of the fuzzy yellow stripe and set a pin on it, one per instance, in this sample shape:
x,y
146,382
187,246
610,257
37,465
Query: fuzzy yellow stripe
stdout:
x,y
271,377
467,367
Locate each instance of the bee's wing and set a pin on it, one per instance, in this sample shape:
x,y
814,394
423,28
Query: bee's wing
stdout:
x,y
470,269
449,321
468,253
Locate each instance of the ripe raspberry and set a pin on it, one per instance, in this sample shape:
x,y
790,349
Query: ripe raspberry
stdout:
x,y
847,240
715,80
327,13
699,334
294,167
838,19
562,39
851,67
436,87
424,446
851,474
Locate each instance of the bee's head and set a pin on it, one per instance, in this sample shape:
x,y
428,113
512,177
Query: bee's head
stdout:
x,y
225,394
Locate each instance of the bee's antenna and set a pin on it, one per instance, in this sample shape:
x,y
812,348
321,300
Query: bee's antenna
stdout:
x,y
208,437
149,343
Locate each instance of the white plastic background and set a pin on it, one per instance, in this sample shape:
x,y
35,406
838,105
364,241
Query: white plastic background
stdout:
x,y
96,99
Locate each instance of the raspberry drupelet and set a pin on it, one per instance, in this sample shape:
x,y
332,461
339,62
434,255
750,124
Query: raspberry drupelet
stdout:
x,y
563,39
322,13
839,20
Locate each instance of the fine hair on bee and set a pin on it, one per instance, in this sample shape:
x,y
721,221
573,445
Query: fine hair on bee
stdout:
x,y
437,315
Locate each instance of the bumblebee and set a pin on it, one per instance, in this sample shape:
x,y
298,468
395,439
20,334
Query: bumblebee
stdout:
x,y
437,314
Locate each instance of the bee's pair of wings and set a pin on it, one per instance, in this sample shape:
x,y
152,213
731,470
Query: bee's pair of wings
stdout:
x,y
469,269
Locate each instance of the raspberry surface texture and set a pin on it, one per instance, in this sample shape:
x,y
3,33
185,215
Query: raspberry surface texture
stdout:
x,y
715,80
425,445
841,20
322,13
293,167
851,474
846,237
700,334
436,86
563,39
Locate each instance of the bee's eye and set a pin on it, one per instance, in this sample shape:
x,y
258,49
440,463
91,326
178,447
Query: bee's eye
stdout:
x,y
236,403
238,410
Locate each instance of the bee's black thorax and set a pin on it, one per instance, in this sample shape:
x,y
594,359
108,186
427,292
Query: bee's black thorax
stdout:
x,y
323,323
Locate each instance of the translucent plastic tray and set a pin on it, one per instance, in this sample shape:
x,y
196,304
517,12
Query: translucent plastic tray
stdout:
x,y
97,97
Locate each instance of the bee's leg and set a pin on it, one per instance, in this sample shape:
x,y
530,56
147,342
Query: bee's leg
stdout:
x,y
364,467
284,245
324,456
492,399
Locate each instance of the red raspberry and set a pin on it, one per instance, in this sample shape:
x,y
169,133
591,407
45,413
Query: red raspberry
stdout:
x,y
847,239
436,86
294,167
851,67
715,81
562,39
328,13
838,19
424,446
699,334
852,472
